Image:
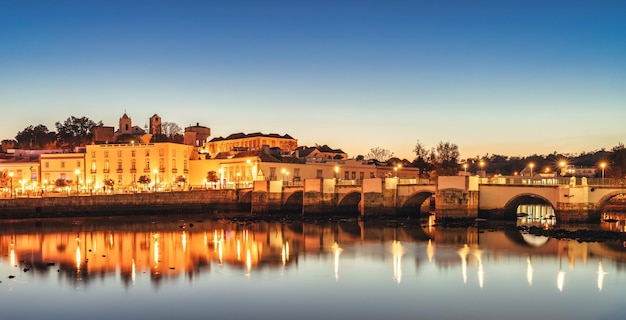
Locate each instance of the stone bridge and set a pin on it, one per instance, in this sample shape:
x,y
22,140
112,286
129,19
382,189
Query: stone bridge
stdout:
x,y
322,196
450,197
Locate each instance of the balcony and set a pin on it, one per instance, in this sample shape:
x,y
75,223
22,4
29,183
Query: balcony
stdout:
x,y
119,170
106,171
174,170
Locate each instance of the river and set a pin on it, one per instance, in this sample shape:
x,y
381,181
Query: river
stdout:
x,y
199,267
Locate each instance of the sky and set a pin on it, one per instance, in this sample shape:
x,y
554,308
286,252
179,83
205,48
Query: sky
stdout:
x,y
512,78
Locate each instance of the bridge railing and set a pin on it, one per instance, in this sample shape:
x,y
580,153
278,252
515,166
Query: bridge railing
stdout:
x,y
422,181
612,182
553,181
525,181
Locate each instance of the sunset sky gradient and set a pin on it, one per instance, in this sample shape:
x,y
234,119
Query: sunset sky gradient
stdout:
x,y
498,77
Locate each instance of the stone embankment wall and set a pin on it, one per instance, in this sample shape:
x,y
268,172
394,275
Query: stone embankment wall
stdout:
x,y
210,201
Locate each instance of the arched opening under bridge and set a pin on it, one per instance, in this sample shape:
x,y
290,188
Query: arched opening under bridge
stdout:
x,y
414,204
530,209
349,203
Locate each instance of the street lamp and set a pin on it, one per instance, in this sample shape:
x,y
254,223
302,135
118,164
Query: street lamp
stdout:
x,y
77,172
336,172
603,165
531,165
465,168
11,176
156,171
283,171
562,165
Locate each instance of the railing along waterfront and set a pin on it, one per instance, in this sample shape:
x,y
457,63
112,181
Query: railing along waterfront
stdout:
x,y
553,181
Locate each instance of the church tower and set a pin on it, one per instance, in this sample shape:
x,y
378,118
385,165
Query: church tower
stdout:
x,y
126,124
155,125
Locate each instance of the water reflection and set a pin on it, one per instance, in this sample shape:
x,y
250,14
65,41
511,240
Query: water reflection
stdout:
x,y
536,215
350,252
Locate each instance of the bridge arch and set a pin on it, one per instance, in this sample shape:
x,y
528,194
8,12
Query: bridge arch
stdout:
x,y
510,208
414,201
293,201
349,203
605,199
245,197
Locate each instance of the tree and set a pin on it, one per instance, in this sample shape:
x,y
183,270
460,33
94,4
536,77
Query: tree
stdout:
x,y
170,129
212,177
36,138
60,183
5,180
181,180
379,154
445,157
420,150
144,180
75,132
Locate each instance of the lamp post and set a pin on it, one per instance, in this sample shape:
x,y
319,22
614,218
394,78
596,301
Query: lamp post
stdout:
x,y
481,164
562,165
283,171
11,176
156,172
336,172
465,168
531,165
77,172
602,165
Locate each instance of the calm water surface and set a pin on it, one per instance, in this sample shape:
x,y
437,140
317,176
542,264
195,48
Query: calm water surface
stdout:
x,y
198,268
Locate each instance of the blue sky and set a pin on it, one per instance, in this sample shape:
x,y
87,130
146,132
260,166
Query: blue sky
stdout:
x,y
498,77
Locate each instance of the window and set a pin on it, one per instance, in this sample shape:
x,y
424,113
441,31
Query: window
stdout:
x,y
272,173
78,164
119,164
106,154
119,153
346,175
147,166
93,165
147,153
133,164
161,152
93,154
119,179
296,172
361,175
47,164
185,164
132,153
106,165
161,164
320,174
353,175
173,152
173,163
62,164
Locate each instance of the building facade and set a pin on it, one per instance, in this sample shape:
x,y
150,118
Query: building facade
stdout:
x,y
250,142
166,164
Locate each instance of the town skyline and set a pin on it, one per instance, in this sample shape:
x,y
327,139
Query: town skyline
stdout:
x,y
513,79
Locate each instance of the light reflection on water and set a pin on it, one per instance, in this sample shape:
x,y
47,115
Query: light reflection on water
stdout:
x,y
347,269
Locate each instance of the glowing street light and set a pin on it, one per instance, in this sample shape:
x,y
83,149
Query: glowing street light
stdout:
x,y
531,165
11,176
156,172
77,172
603,165
336,172
562,165
465,168
283,171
